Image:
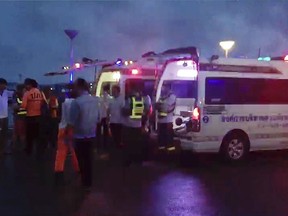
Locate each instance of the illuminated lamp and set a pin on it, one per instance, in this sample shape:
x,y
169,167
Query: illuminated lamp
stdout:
x,y
226,46
65,68
126,63
134,71
77,65
286,58
130,62
187,73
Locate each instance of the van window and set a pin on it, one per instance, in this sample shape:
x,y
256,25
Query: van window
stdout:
x,y
146,86
220,90
183,88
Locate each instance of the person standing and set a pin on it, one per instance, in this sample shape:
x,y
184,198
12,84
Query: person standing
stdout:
x,y
133,111
165,107
32,102
19,134
102,127
146,126
146,117
52,118
4,97
115,117
84,116
64,144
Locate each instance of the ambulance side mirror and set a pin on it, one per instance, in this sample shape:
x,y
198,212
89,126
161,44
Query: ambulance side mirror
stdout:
x,y
179,121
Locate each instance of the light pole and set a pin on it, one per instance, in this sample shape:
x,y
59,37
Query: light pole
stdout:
x,y
226,46
71,34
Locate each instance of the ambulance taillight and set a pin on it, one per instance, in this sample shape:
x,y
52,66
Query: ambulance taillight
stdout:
x,y
196,114
196,119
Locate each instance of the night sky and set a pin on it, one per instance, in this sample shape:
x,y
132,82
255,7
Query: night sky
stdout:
x,y
32,39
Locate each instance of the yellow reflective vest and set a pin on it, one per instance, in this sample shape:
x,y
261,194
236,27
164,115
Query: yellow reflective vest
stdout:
x,y
171,108
21,111
137,108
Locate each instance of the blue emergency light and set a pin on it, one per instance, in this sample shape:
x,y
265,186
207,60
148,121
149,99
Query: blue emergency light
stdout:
x,y
118,62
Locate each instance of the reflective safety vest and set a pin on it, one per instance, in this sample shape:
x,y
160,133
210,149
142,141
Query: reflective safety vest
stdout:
x,y
21,111
137,108
163,114
53,105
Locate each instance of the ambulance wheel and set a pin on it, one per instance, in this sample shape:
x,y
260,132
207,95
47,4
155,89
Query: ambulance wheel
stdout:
x,y
235,146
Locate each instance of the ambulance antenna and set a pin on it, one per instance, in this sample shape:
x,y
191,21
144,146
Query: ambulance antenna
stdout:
x,y
214,57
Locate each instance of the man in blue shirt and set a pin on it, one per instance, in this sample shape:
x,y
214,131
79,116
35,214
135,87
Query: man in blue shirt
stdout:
x,y
84,116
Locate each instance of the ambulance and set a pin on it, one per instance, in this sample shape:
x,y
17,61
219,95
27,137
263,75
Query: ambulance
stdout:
x,y
125,73
228,106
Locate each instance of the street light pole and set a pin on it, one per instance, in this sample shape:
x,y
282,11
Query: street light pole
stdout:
x,y
71,34
71,61
226,46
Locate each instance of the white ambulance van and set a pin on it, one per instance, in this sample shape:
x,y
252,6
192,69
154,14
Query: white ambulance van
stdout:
x,y
228,106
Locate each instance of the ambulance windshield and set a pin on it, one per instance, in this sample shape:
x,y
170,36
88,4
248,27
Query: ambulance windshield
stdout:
x,y
145,86
110,84
183,88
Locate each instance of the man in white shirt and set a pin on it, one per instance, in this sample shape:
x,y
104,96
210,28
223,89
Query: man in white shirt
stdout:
x,y
115,116
84,116
102,127
4,96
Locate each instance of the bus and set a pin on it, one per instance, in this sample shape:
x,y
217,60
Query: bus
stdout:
x,y
228,106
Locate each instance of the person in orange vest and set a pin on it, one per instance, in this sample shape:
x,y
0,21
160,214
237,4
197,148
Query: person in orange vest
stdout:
x,y
64,144
53,118
32,103
19,132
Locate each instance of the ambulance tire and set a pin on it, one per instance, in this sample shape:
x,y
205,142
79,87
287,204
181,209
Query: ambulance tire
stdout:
x,y
235,146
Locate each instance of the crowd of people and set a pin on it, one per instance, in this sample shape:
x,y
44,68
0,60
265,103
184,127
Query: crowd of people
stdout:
x,y
81,121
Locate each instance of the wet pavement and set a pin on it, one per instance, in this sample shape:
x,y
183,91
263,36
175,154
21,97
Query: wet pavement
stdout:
x,y
204,186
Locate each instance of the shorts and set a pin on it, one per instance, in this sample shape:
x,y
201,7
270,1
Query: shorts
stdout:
x,y
20,127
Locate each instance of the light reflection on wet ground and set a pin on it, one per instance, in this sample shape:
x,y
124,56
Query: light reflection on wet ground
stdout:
x,y
207,187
